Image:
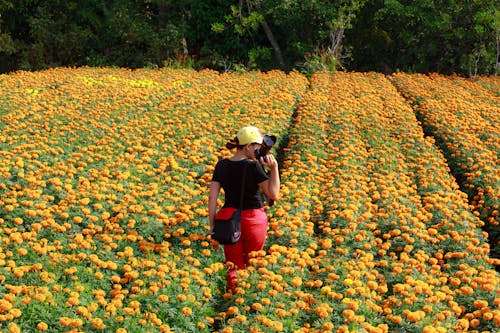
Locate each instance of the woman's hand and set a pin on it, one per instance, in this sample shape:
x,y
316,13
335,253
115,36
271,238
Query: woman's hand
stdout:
x,y
271,187
269,161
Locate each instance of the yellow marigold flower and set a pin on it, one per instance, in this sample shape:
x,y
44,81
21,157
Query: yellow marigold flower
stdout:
x,y
479,303
475,322
348,314
98,324
414,316
232,310
348,282
372,285
65,321
296,281
328,326
163,298
186,311
266,301
13,328
257,306
135,305
241,318
42,326
496,317
488,315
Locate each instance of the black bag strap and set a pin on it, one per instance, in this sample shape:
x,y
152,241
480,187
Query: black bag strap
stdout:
x,y
242,194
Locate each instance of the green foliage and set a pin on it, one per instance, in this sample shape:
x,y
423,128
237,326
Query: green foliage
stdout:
x,y
381,35
425,36
322,60
242,24
256,54
7,45
217,27
178,61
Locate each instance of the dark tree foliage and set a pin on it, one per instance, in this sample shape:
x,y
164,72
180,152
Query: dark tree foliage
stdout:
x,y
450,36
382,35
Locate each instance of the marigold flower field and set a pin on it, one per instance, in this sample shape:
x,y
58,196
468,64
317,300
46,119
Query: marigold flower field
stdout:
x,y
390,190
465,121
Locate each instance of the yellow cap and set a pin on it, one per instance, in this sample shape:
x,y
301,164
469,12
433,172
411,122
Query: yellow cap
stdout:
x,y
249,134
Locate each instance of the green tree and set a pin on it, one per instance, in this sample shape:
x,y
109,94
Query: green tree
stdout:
x,y
381,35
290,29
424,36
497,41
7,44
129,33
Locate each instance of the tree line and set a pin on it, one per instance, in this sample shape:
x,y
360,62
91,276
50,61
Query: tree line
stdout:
x,y
451,36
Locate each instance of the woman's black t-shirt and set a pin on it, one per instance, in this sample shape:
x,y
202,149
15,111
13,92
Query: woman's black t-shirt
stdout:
x,y
230,173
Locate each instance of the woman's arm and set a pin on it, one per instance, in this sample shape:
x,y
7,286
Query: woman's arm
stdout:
x,y
271,187
213,195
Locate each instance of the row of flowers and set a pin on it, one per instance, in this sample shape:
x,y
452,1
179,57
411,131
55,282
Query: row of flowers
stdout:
x,y
465,121
103,208
489,83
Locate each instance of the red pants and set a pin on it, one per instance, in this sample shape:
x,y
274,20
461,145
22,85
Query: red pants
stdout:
x,y
253,236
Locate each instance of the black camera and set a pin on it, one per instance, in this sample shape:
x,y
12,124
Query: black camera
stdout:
x,y
267,143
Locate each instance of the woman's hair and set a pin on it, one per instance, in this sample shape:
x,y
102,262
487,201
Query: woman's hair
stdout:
x,y
233,143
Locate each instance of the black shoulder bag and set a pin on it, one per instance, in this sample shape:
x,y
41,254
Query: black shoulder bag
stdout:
x,y
228,231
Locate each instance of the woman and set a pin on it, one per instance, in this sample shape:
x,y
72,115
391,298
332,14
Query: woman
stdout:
x,y
228,175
